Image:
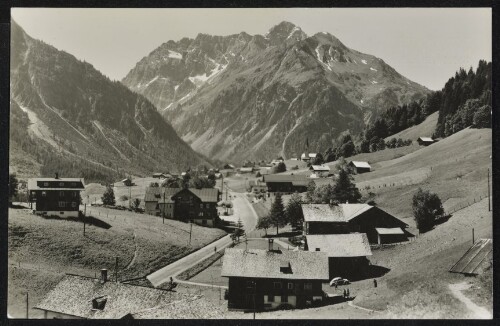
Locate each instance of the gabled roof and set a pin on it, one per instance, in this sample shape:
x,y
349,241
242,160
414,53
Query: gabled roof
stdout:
x,y
73,295
360,164
326,213
340,245
310,155
476,257
210,195
322,181
246,169
323,168
260,263
426,139
34,183
285,178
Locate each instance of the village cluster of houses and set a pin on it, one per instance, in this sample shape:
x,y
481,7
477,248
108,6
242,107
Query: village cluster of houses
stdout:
x,y
337,243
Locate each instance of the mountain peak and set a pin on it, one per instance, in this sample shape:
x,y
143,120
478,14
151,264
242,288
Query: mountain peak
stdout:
x,y
284,31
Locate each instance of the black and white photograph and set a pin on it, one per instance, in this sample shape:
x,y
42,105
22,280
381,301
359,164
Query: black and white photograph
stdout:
x,y
250,163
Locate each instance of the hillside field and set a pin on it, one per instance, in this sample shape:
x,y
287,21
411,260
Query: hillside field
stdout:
x,y
41,249
424,129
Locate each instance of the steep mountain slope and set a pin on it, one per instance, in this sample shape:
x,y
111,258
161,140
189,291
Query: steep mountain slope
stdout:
x,y
242,96
62,105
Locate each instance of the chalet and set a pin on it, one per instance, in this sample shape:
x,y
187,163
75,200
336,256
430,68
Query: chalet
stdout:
x,y
127,182
55,196
269,279
198,206
286,182
79,297
425,141
360,167
160,175
348,218
347,253
263,170
228,166
257,186
320,170
276,162
308,157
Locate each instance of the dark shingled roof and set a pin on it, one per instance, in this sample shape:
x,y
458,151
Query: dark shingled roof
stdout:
x,y
260,263
327,213
286,178
73,295
155,194
34,183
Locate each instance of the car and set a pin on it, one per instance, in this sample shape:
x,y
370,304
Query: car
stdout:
x,y
339,281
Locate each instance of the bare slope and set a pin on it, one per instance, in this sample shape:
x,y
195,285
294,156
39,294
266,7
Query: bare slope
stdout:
x,y
424,129
44,249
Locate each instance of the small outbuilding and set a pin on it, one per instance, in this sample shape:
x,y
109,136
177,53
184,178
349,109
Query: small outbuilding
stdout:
x,y
425,141
390,235
320,170
360,167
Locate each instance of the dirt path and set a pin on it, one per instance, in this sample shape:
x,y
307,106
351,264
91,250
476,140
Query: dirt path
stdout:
x,y
476,311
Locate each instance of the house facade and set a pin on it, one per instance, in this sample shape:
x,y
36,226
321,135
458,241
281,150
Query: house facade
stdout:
x,y
198,206
272,279
55,196
425,141
286,183
321,171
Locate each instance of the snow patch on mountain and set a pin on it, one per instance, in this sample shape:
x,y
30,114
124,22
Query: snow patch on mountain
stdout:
x,y
174,55
295,29
151,81
373,69
364,61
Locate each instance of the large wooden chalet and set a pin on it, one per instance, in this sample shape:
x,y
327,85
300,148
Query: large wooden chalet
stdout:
x,y
348,218
198,206
289,183
55,196
269,279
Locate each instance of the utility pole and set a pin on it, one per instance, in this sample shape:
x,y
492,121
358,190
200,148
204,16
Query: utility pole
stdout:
x,y
27,305
84,215
164,205
254,290
472,235
489,200
116,269
130,194
190,231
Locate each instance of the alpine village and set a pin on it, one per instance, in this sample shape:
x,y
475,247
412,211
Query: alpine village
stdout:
x,y
276,176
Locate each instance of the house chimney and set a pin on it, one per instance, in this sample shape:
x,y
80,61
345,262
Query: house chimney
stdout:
x,y
270,241
104,275
57,175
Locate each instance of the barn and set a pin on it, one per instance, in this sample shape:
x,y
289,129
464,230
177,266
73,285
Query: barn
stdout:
x,y
425,141
360,167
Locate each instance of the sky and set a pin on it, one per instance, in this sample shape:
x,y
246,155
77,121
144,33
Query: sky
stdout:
x,y
426,45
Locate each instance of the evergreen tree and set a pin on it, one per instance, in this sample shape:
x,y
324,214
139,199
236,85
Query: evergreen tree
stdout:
x,y
293,210
311,187
263,223
482,118
108,198
277,214
281,167
238,231
344,189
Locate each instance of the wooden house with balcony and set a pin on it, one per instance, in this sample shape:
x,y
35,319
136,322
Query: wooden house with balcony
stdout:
x,y
55,196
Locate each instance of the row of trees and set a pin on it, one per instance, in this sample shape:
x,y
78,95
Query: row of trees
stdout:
x,y
188,181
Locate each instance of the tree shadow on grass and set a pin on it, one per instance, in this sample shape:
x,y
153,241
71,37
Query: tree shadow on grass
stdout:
x,y
283,234
372,271
89,220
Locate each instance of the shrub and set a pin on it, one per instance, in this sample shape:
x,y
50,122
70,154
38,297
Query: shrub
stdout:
x,y
427,207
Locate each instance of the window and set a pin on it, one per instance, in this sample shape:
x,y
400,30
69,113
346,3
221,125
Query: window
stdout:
x,y
290,286
200,214
45,184
33,193
277,285
61,193
74,193
284,298
73,184
61,184
44,193
62,204
270,298
204,222
208,214
201,205
308,286
73,204
207,205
